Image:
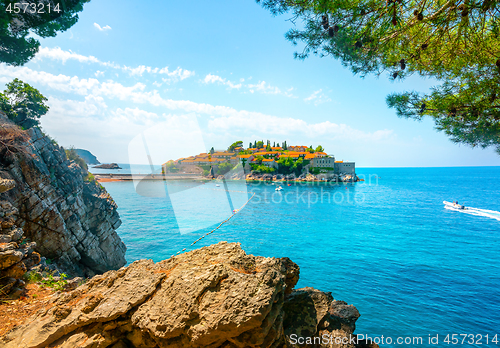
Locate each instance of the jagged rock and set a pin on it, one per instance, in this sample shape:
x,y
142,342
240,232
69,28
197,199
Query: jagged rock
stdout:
x,y
12,255
216,296
72,221
8,246
15,234
7,286
9,258
292,274
6,185
15,271
72,284
305,309
343,316
32,260
16,292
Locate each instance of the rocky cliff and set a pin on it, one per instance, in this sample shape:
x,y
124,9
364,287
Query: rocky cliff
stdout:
x,y
17,255
217,296
72,220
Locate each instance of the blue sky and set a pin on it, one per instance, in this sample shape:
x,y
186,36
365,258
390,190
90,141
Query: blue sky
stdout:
x,y
127,67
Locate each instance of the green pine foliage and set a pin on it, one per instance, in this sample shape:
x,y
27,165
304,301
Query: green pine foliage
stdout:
x,y
17,44
454,42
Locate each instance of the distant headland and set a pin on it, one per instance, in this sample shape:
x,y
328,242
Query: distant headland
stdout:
x,y
87,156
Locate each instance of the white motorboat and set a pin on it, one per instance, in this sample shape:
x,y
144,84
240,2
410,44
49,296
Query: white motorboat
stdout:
x,y
454,205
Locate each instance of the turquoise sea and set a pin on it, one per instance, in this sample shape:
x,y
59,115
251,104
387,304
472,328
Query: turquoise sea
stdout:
x,y
386,245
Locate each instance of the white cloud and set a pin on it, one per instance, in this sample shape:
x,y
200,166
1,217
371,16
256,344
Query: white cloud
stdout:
x,y
264,87
90,106
59,82
217,79
58,54
106,27
261,87
318,97
222,118
136,116
273,125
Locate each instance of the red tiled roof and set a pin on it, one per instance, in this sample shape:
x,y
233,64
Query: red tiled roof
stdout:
x,y
266,153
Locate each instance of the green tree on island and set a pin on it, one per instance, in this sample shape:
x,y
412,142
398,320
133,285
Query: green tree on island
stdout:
x,y
319,149
235,145
455,42
286,165
18,23
171,167
23,104
224,167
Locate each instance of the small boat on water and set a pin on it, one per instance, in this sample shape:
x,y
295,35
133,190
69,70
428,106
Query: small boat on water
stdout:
x,y
454,205
217,185
279,188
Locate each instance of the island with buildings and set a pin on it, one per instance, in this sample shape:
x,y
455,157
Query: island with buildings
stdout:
x,y
263,161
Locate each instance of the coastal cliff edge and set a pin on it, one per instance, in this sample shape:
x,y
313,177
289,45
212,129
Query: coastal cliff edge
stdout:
x,y
73,220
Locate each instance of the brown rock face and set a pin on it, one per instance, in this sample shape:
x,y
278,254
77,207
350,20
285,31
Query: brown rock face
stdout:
x,y
16,255
73,221
216,296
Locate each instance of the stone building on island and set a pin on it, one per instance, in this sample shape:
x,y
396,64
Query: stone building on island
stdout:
x,y
314,162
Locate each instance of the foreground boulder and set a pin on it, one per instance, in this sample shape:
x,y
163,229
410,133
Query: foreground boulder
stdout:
x,y
216,296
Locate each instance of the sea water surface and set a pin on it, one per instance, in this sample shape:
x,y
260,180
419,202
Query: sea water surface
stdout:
x,y
386,245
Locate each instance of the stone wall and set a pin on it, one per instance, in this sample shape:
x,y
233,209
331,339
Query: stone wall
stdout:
x,y
72,220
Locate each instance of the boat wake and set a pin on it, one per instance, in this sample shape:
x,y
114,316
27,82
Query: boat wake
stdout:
x,y
492,214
